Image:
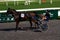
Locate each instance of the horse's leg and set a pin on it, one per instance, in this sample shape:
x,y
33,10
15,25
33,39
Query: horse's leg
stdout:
x,y
17,23
30,24
37,25
30,21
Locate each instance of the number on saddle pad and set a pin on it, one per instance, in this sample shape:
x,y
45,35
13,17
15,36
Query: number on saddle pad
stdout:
x,y
22,15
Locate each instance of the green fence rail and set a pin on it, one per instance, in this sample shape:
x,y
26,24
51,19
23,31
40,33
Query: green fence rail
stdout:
x,y
53,13
5,18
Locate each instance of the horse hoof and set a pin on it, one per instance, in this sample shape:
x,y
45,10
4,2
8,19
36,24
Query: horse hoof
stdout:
x,y
32,27
45,29
36,30
15,30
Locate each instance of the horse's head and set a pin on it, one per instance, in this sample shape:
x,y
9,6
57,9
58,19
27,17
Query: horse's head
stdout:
x,y
9,11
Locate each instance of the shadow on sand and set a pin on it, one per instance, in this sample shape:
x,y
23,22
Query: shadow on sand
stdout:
x,y
21,29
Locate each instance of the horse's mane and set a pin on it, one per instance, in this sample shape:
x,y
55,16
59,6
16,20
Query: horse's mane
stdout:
x,y
14,10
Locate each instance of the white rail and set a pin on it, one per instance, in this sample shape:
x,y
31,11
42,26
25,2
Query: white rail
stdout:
x,y
33,9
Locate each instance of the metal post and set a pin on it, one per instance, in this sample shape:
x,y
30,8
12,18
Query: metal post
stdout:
x,y
39,1
6,2
14,2
17,2
51,1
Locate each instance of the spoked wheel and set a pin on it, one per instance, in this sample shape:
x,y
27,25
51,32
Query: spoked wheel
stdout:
x,y
38,29
44,27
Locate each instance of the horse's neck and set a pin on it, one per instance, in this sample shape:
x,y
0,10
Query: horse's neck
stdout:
x,y
15,14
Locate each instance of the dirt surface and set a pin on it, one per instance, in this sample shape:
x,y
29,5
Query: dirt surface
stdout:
x,y
7,32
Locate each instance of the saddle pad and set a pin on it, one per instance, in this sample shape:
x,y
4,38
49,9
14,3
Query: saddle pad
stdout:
x,y
22,15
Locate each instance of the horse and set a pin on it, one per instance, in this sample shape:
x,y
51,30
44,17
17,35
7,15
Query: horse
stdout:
x,y
18,18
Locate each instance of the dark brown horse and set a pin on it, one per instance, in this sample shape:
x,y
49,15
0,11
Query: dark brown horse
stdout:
x,y
18,18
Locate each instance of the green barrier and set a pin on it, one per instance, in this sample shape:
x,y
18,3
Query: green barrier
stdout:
x,y
5,18
53,13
